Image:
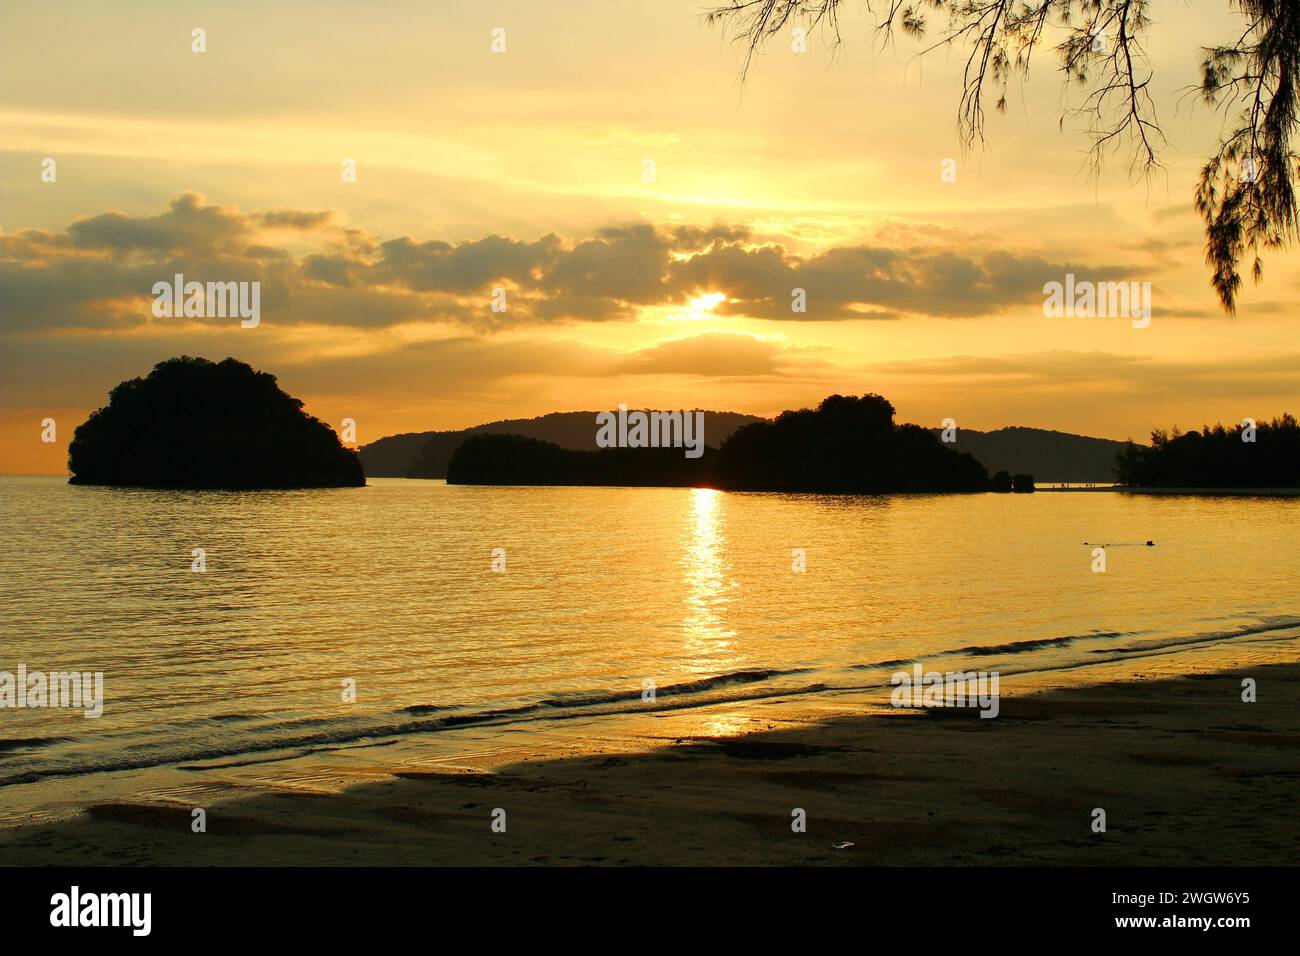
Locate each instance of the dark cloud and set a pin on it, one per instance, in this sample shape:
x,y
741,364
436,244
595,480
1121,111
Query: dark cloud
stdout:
x,y
336,270
465,268
189,226
301,219
863,281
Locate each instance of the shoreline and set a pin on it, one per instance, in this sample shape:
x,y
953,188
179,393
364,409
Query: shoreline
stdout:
x,y
1189,492
1188,775
1197,492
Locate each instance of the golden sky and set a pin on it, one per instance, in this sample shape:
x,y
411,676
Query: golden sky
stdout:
x,y
523,170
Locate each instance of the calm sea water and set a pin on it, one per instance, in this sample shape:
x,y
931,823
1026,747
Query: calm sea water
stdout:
x,y
391,586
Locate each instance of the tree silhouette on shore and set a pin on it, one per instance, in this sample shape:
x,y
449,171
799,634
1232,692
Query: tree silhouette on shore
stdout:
x,y
1216,457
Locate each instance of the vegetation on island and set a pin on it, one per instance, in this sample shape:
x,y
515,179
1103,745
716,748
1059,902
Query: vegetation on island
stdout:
x,y
847,445
193,423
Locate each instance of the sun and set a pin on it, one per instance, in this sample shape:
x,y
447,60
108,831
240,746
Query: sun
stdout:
x,y
702,306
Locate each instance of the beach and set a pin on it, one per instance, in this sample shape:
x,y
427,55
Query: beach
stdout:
x,y
1187,773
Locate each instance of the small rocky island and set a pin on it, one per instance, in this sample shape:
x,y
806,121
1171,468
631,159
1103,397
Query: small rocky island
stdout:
x,y
193,423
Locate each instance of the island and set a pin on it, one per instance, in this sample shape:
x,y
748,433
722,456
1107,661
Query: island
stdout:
x,y
197,424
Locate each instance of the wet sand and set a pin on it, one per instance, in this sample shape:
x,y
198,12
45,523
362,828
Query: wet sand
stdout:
x,y
1187,773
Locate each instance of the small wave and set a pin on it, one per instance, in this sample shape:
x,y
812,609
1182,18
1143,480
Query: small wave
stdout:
x,y
1021,647
421,710
988,650
328,732
1276,624
1038,644
234,718
700,686
22,743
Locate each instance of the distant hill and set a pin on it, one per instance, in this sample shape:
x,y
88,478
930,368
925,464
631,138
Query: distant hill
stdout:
x,y
1049,456
488,459
425,454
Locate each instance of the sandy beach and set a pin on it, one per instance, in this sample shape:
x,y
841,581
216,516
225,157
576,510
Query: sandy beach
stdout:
x,y
1187,773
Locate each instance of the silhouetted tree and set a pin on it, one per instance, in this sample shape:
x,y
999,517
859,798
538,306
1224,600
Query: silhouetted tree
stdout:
x,y
1215,457
1001,482
1246,194
1022,484
192,423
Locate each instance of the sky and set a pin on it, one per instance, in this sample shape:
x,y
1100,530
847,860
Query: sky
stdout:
x,y
526,170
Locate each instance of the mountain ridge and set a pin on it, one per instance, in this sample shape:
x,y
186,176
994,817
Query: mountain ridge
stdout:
x,y
425,454
1047,454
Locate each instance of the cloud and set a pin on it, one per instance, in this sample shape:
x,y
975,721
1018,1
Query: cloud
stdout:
x,y
99,272
300,219
1141,376
870,281
189,227
469,267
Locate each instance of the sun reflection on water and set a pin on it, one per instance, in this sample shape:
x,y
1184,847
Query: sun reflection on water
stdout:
x,y
709,642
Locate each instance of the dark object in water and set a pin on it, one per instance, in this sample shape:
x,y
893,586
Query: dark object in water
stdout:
x,y
1119,544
